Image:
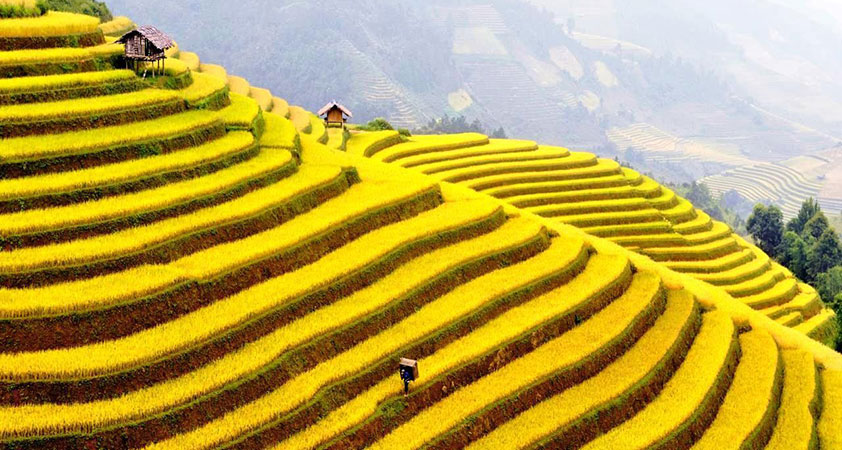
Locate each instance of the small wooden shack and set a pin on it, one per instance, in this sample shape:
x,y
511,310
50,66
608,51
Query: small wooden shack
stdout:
x,y
335,114
146,44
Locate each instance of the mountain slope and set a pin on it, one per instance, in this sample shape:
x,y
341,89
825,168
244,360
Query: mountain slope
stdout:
x,y
227,279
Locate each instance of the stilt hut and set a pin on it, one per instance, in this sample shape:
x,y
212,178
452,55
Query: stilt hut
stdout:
x,y
335,114
146,44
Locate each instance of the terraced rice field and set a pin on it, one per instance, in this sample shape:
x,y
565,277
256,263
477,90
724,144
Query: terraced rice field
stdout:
x,y
216,276
615,203
767,182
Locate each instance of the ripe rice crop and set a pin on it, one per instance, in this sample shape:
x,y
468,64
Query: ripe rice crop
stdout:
x,y
241,114
254,356
749,408
53,23
365,144
280,133
137,282
494,147
191,59
582,403
685,396
280,107
29,148
794,427
93,106
53,82
117,27
420,144
203,92
301,119
571,349
831,418
112,174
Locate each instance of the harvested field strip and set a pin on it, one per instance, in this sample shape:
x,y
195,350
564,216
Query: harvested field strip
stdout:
x,y
108,178
536,189
462,347
64,87
579,298
611,218
494,147
221,258
89,219
215,71
239,85
206,92
280,107
242,363
713,249
568,418
739,274
756,285
799,400
301,119
779,294
366,144
713,266
113,356
831,419
601,169
747,415
641,229
570,196
558,358
496,158
689,401
574,161
54,23
419,144
68,115
78,146
280,133
590,207
262,96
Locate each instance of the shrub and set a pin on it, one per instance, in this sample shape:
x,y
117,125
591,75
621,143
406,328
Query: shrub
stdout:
x,y
378,124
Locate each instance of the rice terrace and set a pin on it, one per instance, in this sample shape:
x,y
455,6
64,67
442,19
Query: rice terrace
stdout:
x,y
190,261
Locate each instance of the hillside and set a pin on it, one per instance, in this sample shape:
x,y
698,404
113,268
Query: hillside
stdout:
x,y
189,261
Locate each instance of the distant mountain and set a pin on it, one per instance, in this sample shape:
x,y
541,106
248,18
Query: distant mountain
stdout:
x,y
670,81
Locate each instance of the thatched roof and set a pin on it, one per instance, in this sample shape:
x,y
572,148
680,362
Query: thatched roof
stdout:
x,y
332,105
152,34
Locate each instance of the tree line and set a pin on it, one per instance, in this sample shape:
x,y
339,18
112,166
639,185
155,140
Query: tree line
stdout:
x,y
807,245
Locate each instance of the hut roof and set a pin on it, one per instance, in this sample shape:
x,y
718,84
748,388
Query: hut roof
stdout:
x,y
332,105
157,37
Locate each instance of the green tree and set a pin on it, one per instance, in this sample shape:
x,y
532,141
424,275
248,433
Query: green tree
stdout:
x,y
816,226
809,209
793,254
829,285
827,253
766,225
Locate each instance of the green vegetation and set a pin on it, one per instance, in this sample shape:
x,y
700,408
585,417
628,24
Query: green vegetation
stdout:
x,y
809,247
459,124
89,7
701,197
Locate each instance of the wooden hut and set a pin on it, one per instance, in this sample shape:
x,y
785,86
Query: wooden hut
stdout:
x,y
146,44
335,114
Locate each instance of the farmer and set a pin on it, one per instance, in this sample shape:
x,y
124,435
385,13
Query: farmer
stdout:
x,y
406,376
